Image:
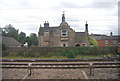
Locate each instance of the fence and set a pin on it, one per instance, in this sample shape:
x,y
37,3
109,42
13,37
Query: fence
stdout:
x,y
36,51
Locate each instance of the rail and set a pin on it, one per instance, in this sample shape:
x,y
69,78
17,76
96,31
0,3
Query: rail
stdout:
x,y
58,60
61,64
109,63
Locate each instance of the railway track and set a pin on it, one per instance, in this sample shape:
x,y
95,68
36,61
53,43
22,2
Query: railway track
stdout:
x,y
59,66
60,63
31,64
58,60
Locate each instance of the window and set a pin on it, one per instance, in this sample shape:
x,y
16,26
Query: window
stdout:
x,y
84,44
106,41
64,33
114,42
64,44
77,45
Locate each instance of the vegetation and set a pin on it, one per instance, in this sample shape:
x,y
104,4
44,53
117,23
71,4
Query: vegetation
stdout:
x,y
22,38
76,52
32,40
51,57
93,41
69,54
10,31
56,53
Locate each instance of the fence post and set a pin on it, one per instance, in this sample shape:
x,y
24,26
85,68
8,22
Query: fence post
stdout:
x,y
90,68
29,69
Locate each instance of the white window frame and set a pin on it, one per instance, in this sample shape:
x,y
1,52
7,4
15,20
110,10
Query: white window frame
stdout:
x,y
64,43
106,41
66,33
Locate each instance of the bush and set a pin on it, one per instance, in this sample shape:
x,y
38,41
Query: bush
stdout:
x,y
37,55
82,50
69,54
29,54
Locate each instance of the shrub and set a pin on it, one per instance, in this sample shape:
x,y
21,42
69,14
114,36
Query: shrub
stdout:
x,y
29,54
37,55
69,54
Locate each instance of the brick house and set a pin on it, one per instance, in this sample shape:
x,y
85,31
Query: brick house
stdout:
x,y
104,40
62,35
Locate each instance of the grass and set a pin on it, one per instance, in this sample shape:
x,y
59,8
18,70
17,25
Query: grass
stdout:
x,y
89,56
52,57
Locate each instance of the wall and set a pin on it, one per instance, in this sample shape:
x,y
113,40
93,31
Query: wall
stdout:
x,y
101,43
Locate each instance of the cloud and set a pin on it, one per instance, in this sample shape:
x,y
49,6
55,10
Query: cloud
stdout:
x,y
103,5
27,15
25,4
85,4
69,5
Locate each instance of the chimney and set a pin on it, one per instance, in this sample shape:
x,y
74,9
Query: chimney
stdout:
x,y
63,16
111,34
86,27
46,24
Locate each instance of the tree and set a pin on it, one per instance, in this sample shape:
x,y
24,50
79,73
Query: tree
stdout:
x,y
3,33
93,41
10,31
22,38
32,39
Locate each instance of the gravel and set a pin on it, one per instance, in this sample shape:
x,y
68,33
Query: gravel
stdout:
x,y
98,73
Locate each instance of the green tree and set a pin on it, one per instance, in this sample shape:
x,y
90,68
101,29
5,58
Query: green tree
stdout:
x,y
3,33
32,39
93,41
10,31
22,38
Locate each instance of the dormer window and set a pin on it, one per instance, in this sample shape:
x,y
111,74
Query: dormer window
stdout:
x,y
64,33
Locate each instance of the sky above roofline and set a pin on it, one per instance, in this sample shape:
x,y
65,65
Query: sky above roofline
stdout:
x,y
27,15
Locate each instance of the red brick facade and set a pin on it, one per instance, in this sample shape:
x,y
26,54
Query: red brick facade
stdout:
x,y
104,43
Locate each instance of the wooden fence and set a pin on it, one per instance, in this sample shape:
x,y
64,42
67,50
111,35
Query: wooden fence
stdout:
x,y
58,50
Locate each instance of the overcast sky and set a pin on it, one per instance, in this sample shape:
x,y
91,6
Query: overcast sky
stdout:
x,y
27,15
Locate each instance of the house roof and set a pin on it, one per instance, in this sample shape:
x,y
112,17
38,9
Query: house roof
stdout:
x,y
10,42
79,36
98,34
43,29
64,24
107,37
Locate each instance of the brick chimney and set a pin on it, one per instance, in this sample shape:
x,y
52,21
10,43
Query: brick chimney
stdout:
x,y
111,34
46,24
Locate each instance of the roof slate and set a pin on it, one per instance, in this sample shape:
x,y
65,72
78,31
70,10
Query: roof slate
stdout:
x,y
79,36
10,42
43,29
107,37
